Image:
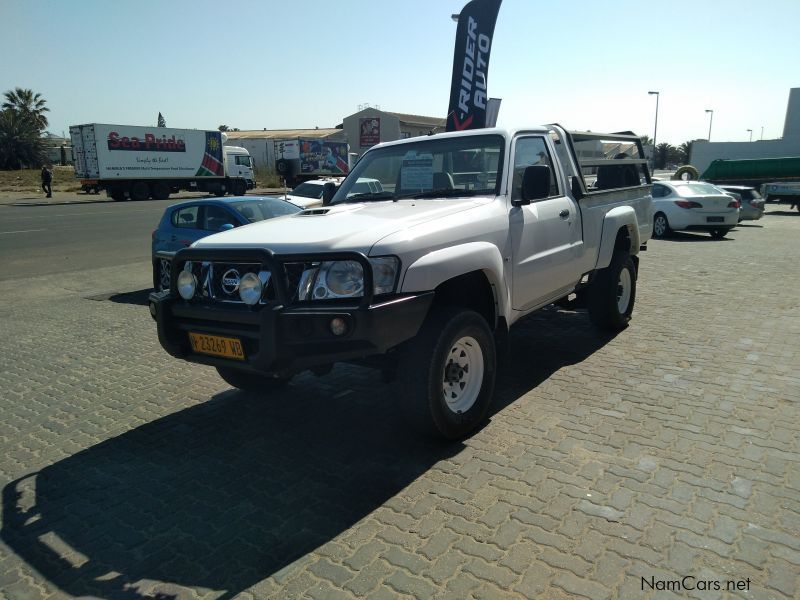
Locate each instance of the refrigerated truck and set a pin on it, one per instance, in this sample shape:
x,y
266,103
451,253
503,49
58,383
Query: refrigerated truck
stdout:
x,y
132,162
300,159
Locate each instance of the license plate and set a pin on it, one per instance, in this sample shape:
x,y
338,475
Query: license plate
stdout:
x,y
715,219
217,345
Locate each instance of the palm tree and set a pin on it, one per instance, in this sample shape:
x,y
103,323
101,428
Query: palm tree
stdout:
x,y
664,152
20,142
28,105
646,140
685,150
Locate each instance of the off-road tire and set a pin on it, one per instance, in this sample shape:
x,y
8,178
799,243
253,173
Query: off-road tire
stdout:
x,y
691,172
612,293
432,357
251,382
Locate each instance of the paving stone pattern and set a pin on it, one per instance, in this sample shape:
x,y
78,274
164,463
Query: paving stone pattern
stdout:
x,y
668,450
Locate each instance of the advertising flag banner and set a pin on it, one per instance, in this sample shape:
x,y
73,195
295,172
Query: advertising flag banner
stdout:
x,y
468,96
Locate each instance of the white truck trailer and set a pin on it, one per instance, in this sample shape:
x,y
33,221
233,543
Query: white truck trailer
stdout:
x,y
138,163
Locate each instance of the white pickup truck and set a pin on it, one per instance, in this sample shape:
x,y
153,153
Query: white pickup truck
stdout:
x,y
470,232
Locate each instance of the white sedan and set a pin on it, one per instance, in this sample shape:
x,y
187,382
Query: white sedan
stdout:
x,y
692,205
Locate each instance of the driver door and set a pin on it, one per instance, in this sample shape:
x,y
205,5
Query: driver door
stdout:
x,y
545,234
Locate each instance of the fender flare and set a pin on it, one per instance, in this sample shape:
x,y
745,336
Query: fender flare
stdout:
x,y
614,220
432,269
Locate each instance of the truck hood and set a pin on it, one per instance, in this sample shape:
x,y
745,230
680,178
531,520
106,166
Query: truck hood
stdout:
x,y
355,227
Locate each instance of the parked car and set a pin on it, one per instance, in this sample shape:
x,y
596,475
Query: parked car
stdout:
x,y
185,223
752,203
692,206
309,193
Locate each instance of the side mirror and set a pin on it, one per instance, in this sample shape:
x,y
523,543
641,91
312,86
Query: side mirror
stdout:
x,y
328,190
226,227
535,184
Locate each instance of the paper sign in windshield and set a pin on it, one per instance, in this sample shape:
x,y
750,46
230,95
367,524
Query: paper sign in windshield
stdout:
x,y
417,171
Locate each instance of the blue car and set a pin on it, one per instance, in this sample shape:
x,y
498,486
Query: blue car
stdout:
x,y
187,222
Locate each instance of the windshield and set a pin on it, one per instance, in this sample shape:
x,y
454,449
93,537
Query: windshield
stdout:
x,y
429,168
259,210
698,189
308,190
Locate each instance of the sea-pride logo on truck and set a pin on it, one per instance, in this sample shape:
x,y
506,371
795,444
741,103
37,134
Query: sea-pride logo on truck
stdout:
x,y
150,143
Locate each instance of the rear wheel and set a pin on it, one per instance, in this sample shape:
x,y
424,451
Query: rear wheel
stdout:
x,y
612,293
661,226
140,191
117,194
447,373
160,191
719,233
251,382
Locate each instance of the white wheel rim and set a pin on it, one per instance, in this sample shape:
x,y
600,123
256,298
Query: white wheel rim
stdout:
x,y
660,226
623,290
463,375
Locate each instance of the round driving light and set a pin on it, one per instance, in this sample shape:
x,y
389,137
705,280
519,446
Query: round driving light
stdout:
x,y
187,285
338,326
250,288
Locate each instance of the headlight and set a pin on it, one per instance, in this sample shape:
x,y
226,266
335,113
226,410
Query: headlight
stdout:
x,y
345,279
250,288
187,283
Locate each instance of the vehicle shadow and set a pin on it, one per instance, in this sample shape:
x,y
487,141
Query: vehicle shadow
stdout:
x,y
683,236
228,492
138,297
774,213
749,226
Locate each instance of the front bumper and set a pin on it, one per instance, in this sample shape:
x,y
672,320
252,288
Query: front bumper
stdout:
x,y
280,337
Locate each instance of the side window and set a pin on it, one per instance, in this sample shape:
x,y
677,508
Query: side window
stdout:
x,y
186,217
531,151
242,160
216,217
659,191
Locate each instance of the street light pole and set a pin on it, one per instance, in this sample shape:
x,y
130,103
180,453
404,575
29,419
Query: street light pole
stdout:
x,y
655,129
750,131
710,121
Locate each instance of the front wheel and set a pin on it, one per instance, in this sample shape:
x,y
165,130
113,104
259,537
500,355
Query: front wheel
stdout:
x,y
720,233
251,382
447,373
239,187
612,293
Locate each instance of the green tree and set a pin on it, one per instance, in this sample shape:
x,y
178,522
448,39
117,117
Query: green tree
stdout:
x,y
223,128
28,106
161,121
664,153
20,141
646,140
685,150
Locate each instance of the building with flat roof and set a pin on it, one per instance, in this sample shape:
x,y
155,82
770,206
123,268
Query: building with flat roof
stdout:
x,y
704,152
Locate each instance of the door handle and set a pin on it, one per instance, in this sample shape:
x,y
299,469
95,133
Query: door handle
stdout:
x,y
564,214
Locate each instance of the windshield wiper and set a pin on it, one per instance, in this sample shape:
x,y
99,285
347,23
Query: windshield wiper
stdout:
x,y
444,193
369,197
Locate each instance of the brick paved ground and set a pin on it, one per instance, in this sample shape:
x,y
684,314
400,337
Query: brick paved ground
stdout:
x,y
669,450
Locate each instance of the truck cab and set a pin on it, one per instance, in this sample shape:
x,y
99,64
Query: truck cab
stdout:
x,y
239,165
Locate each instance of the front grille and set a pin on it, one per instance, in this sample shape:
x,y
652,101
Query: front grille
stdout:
x,y
218,282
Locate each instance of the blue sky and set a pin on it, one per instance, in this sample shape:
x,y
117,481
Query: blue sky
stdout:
x,y
255,64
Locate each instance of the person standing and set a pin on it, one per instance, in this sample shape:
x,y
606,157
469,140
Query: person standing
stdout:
x,y
47,180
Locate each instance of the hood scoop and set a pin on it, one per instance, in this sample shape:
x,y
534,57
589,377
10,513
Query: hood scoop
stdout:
x,y
329,210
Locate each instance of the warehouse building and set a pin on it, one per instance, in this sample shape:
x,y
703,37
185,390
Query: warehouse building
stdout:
x,y
704,152
361,131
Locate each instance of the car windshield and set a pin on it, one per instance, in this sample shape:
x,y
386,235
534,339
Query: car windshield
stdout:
x,y
308,190
428,168
265,208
